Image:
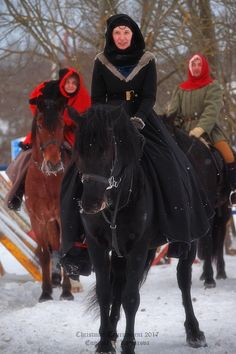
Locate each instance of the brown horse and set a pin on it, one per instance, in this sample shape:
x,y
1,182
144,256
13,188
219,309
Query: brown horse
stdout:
x,y
42,189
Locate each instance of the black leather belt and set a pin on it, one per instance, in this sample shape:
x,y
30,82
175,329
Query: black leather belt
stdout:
x,y
126,96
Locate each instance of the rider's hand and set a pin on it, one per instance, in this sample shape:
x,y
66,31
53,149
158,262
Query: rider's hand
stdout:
x,y
137,122
24,147
196,132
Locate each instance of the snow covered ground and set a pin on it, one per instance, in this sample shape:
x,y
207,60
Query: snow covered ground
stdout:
x,y
60,327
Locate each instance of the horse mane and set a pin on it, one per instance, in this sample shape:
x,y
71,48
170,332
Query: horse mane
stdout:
x,y
49,110
99,126
181,136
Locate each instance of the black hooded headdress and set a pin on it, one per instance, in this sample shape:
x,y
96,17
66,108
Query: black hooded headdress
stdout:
x,y
131,55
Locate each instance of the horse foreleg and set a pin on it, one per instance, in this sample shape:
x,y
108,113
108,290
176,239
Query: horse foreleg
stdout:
x,y
131,297
56,269
206,251
44,258
66,289
100,260
194,337
219,253
118,281
220,238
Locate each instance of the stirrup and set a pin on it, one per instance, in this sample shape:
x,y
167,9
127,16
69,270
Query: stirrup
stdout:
x,y
231,197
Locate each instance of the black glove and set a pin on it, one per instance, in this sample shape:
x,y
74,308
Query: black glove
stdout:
x,y
24,147
137,122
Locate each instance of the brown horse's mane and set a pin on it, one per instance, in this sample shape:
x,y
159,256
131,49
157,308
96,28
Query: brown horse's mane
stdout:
x,y
49,111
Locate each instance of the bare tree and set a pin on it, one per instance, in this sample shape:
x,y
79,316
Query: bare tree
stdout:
x,y
36,33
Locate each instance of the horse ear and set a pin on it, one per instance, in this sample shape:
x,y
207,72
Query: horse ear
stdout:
x,y
74,114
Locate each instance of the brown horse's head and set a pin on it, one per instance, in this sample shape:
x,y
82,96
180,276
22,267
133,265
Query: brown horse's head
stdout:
x,y
48,137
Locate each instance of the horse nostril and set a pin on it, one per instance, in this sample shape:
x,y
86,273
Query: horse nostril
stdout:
x,y
50,165
55,167
92,206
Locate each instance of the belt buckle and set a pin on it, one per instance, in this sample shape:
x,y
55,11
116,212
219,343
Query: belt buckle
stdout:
x,y
129,95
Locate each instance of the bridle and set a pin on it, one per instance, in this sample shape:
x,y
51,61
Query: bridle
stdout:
x,y
49,142
111,181
42,147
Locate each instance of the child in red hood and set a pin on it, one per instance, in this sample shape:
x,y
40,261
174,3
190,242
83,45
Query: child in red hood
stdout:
x,y
70,87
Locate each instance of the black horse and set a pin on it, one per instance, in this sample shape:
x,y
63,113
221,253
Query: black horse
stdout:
x,y
120,224
212,174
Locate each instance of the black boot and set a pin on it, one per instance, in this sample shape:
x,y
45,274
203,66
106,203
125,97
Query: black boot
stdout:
x,y
15,202
231,175
76,262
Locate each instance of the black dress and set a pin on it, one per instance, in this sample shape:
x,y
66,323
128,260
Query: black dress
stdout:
x,y
183,211
182,207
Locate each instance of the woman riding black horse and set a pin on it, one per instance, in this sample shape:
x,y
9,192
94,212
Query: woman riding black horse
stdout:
x,y
121,224
125,74
196,107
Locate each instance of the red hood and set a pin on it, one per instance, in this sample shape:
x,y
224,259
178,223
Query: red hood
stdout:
x,y
68,73
204,79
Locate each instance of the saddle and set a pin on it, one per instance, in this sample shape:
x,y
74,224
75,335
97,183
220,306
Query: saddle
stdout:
x,y
217,160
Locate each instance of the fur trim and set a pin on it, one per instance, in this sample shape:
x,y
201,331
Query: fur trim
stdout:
x,y
143,61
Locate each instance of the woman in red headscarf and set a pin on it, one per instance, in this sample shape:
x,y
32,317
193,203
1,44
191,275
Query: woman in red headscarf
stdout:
x,y
197,104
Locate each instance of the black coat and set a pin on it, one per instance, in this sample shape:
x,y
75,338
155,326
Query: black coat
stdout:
x,y
110,86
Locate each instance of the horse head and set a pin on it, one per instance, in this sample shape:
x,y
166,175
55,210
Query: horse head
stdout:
x,y
106,145
48,137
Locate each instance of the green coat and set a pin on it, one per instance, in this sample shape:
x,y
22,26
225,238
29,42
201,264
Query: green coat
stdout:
x,y
199,108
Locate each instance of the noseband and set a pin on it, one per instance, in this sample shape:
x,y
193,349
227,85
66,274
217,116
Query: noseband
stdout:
x,y
49,142
42,147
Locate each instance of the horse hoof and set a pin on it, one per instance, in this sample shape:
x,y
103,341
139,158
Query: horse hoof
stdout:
x,y
197,341
128,347
67,296
221,275
45,297
105,348
209,284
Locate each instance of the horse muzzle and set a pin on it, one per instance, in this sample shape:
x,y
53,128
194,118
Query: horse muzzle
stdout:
x,y
48,168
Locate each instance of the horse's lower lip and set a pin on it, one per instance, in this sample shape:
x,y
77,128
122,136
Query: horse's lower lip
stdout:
x,y
94,210
90,212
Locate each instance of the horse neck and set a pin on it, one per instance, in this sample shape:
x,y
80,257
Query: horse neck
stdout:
x,y
128,188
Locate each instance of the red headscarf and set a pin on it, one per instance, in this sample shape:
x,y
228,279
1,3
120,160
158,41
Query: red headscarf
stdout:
x,y
194,83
